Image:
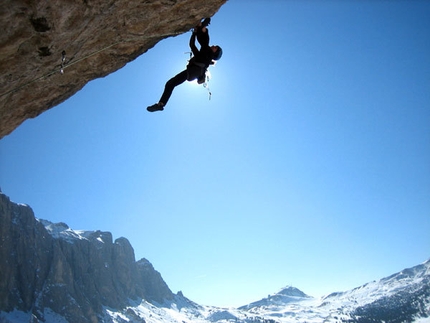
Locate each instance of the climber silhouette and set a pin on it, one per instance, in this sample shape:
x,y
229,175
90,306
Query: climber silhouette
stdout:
x,y
196,67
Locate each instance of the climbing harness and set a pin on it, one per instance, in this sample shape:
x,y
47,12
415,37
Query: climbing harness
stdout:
x,y
205,77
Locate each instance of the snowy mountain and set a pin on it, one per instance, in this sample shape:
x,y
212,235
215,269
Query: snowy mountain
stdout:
x,y
51,273
402,297
277,301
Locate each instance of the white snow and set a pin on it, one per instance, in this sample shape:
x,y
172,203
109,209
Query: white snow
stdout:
x,y
333,308
62,230
286,306
423,320
330,309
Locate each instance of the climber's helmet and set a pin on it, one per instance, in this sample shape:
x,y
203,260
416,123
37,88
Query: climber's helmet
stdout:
x,y
217,52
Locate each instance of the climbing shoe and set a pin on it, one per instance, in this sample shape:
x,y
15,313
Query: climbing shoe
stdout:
x,y
155,107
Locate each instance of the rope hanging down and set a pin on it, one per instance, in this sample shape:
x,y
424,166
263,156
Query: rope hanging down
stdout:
x,y
206,86
65,65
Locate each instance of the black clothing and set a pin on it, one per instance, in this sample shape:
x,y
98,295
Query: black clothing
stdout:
x,y
171,84
155,107
196,67
205,54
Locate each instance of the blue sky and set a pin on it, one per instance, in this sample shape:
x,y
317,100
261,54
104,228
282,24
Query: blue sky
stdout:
x,y
309,166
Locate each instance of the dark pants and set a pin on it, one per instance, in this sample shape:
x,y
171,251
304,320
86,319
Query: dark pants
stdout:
x,y
191,73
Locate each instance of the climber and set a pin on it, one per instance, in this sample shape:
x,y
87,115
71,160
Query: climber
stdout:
x,y
196,68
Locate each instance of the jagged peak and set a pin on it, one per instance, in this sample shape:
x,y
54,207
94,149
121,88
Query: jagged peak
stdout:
x,y
62,231
144,263
139,293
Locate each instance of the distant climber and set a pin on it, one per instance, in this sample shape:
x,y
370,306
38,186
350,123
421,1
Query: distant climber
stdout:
x,y
197,66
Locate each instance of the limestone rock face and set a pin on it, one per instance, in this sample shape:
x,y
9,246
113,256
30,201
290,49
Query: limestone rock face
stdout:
x,y
24,243
72,273
95,38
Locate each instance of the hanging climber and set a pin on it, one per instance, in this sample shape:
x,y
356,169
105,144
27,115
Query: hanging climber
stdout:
x,y
197,66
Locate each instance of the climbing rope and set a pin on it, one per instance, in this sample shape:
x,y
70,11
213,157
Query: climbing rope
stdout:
x,y
206,86
65,65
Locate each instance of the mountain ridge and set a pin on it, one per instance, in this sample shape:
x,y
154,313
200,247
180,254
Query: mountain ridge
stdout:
x,y
75,274
52,273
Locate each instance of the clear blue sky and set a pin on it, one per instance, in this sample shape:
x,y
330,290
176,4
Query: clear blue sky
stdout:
x,y
309,166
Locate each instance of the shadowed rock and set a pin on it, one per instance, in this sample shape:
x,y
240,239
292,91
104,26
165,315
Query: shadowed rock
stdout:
x,y
98,37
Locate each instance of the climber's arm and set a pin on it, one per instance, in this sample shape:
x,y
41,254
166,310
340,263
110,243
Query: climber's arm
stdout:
x,y
193,44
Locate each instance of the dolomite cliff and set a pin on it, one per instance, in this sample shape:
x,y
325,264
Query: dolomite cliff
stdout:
x,y
95,38
75,274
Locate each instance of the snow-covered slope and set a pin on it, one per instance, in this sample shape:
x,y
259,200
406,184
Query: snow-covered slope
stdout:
x,y
277,301
135,292
62,231
399,298
402,297
408,286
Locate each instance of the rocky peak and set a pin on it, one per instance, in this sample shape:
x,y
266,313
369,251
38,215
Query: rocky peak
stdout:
x,y
84,39
73,273
284,296
291,291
